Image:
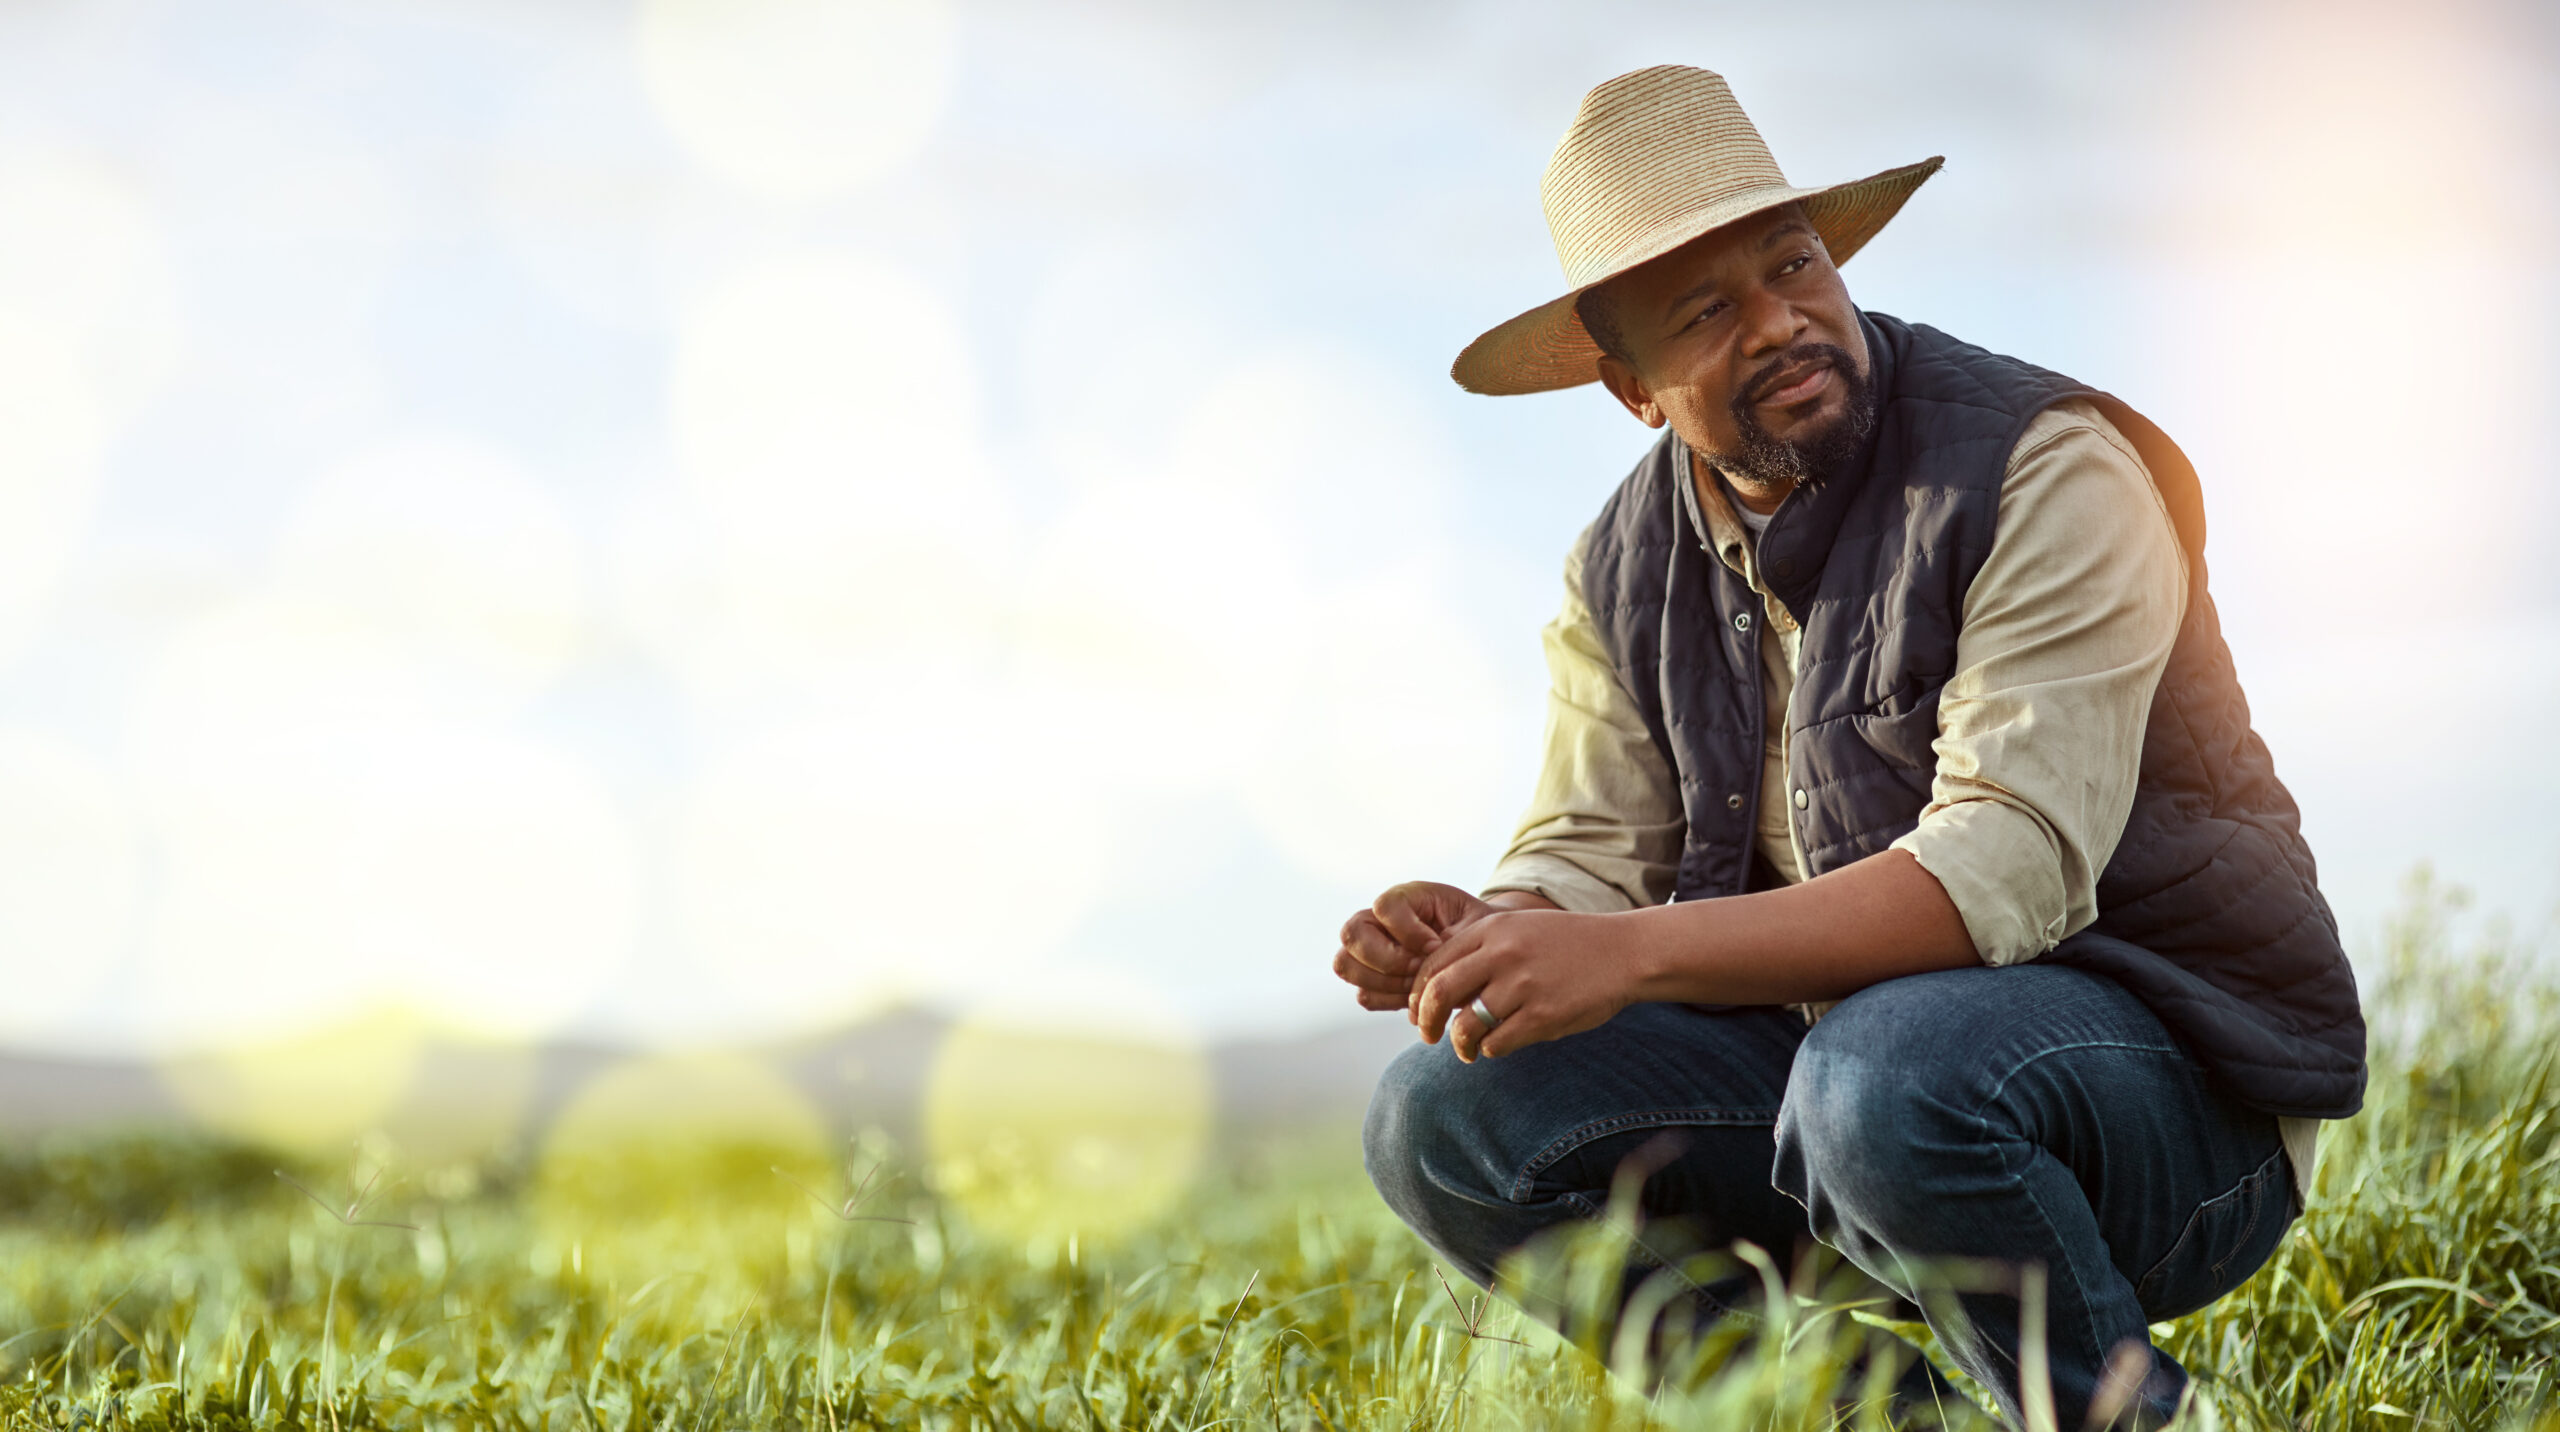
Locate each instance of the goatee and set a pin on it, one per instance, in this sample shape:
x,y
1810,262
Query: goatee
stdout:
x,y
1809,459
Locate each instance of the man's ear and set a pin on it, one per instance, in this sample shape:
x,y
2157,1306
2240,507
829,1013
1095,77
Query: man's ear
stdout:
x,y
1628,388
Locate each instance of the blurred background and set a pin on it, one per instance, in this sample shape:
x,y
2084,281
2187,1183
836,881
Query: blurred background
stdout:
x,y
545,545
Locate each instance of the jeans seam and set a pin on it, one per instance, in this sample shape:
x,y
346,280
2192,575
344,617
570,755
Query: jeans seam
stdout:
x,y
2216,1269
2257,1211
1524,1186
2053,1237
2042,1054
2053,1234
2274,1165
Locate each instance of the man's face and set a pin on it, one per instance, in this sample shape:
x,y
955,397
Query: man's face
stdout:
x,y
1745,342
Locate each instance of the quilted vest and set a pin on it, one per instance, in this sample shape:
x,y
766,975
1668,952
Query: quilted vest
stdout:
x,y
2210,910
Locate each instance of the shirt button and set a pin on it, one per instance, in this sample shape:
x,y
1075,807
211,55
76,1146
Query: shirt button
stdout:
x,y
1742,621
1734,801
1799,797
1784,567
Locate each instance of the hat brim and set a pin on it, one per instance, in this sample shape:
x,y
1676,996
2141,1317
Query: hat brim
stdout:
x,y
1546,348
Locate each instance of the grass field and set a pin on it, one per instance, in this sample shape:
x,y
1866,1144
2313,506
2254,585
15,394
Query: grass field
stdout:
x,y
168,1285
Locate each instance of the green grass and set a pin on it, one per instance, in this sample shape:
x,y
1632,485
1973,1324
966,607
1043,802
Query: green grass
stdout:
x,y
164,1285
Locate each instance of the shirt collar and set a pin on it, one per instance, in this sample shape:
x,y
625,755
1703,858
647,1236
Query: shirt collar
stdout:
x,y
1712,518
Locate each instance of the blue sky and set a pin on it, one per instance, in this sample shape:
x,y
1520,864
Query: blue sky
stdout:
x,y
670,521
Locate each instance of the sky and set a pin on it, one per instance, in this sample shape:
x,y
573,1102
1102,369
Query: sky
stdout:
x,y
685,521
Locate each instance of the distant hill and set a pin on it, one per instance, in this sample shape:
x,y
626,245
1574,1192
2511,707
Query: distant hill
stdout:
x,y
870,1073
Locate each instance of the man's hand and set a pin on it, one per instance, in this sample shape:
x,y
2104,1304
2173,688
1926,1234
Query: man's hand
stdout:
x,y
1543,974
1383,945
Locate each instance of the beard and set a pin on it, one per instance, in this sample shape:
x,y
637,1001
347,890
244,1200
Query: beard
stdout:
x,y
1810,458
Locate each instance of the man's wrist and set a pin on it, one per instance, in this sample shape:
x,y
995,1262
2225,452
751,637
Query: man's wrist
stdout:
x,y
1649,956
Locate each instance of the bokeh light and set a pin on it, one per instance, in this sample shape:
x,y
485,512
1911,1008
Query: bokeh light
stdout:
x,y
796,99
1124,328
1263,610
449,549
335,829
694,1137
468,1104
1044,1135
84,257
310,1092
70,880
53,438
850,537
922,849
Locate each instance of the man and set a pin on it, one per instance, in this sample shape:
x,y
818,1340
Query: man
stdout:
x,y
1904,873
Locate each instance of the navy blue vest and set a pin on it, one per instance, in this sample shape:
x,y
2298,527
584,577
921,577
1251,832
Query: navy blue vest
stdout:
x,y
2210,910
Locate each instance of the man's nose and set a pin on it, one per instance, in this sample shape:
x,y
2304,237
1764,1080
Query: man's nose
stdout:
x,y
1770,324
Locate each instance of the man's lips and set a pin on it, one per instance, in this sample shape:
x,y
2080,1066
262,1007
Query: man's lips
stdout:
x,y
1795,387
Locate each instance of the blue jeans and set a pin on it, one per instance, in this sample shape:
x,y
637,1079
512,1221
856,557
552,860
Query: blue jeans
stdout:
x,y
2033,1115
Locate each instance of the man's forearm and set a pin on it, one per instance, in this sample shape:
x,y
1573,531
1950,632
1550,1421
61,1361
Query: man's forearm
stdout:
x,y
1828,938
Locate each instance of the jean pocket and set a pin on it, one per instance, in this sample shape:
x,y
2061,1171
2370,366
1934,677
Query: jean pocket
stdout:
x,y
2224,1241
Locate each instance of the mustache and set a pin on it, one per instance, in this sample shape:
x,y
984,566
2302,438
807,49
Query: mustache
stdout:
x,y
1767,379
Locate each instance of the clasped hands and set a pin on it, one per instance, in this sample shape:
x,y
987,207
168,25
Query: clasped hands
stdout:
x,y
1433,950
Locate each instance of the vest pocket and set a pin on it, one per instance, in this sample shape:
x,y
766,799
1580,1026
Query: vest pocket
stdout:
x,y
1903,728
2225,1241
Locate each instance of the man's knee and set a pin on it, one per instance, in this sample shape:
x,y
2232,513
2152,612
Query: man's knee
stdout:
x,y
1435,1148
1876,1088
1415,1132
1919,1083
1843,1117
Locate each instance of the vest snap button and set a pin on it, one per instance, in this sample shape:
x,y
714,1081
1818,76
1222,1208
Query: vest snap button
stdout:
x,y
1734,801
1742,621
1799,797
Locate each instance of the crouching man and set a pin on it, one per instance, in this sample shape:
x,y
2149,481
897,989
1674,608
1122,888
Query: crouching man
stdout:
x,y
1904,872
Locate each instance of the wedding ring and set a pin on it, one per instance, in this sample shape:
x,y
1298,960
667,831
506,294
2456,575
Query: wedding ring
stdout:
x,y
1484,1015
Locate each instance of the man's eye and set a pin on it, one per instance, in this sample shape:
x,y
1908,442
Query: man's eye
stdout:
x,y
1793,264
1710,311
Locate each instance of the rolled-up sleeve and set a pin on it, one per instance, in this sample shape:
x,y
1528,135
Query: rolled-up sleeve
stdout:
x,y
1603,828
2066,630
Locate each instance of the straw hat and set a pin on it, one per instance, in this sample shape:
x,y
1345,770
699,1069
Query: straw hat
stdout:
x,y
1652,160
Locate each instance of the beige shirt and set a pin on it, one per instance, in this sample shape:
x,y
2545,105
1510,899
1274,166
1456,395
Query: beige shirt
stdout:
x,y
2065,632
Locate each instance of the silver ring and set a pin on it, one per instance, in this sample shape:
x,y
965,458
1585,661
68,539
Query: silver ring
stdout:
x,y
1484,1015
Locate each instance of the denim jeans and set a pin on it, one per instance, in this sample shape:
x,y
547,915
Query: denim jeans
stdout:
x,y
2034,1115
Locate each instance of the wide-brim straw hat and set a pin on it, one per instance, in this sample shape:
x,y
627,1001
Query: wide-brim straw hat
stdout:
x,y
1652,160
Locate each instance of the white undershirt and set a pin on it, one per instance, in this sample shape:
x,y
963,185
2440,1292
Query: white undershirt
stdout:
x,y
1758,522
